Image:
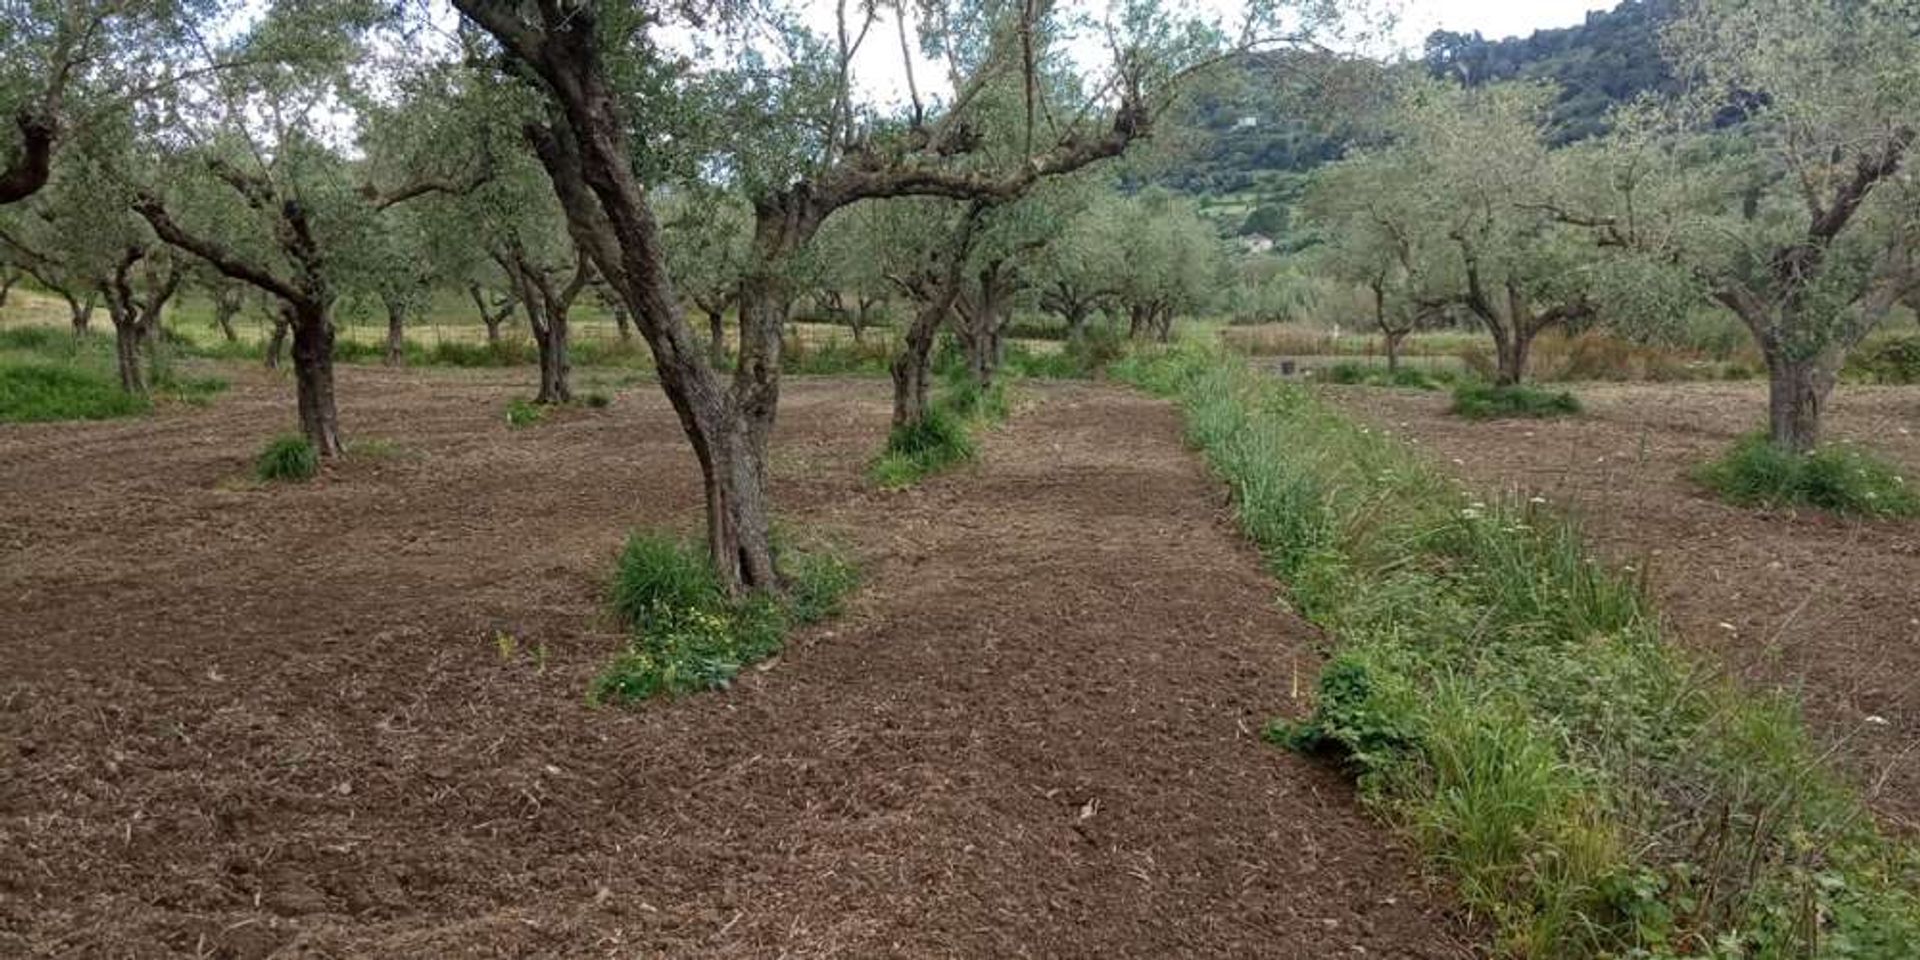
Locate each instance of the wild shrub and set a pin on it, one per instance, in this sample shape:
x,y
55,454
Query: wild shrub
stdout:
x,y
1485,401
286,458
839,356
1894,360
1510,702
1837,477
688,635
522,412
1366,374
32,392
596,399
915,450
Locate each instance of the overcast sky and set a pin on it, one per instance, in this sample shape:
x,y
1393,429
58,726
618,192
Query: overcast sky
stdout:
x,y
878,73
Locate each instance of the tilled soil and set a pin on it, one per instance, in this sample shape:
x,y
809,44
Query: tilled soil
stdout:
x,y
347,718
1824,608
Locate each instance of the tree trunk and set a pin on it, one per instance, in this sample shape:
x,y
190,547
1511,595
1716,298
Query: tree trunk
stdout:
x,y
1513,347
126,351
396,333
1394,339
7,280
1076,314
79,313
912,368
313,378
1797,393
1138,316
717,338
277,343
555,366
223,311
621,322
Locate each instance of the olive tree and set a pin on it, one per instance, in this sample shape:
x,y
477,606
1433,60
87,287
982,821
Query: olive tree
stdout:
x,y
279,205
1801,216
805,150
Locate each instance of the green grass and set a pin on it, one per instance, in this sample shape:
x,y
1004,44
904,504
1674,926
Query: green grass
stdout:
x,y
1364,374
1484,401
522,412
286,458
688,635
48,374
917,450
1509,702
1836,477
35,391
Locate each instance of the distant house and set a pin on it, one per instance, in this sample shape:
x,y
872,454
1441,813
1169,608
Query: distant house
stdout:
x,y
1256,243
1247,122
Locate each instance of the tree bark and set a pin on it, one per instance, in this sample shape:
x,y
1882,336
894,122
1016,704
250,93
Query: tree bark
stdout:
x,y
621,322
396,332
313,379
1394,339
912,367
1797,391
224,309
277,342
126,350
7,279
79,313
717,338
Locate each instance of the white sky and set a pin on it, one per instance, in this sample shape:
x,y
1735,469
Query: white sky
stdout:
x,y
878,73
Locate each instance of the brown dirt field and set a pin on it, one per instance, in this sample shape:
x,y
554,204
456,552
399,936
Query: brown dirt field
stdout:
x,y
1804,602
275,722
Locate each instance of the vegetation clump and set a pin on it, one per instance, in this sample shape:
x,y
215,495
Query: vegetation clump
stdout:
x,y
1510,702
1485,401
289,457
1366,374
522,412
1894,360
33,392
688,634
1834,477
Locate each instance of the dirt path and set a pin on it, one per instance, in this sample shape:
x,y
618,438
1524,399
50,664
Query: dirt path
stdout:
x,y
279,723
1825,608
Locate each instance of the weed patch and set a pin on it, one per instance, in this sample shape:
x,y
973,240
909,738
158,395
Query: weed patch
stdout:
x,y
522,412
1836,477
288,457
1364,374
1510,703
1484,401
33,391
688,635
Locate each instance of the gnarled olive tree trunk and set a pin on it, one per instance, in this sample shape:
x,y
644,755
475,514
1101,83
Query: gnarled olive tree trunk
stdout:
x,y
313,378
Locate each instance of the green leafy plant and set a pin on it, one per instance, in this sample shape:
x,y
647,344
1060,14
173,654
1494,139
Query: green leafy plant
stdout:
x,y
1836,477
1510,702
1483,401
289,457
688,635
1363,374
522,412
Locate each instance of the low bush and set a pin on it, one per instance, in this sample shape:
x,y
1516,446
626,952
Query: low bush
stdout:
x,y
915,450
1894,360
1364,374
287,458
1485,401
39,392
871,357
688,635
596,399
1510,702
522,412
1837,477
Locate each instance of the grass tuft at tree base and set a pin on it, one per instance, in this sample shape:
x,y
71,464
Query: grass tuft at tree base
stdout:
x,y
1511,703
688,635
522,412
287,458
1485,401
1839,478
